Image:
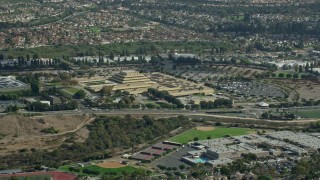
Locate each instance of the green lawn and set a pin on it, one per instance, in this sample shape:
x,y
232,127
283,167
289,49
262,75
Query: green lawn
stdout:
x,y
33,177
308,113
71,90
94,29
219,132
118,171
128,169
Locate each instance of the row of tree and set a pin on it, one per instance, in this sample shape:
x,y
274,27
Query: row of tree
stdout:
x,y
166,96
40,107
218,103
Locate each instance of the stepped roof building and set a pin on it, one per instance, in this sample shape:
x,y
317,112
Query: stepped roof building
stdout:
x,y
125,77
135,83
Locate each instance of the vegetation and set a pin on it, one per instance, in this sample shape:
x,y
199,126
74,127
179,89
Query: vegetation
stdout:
x,y
308,113
307,168
38,106
80,94
115,48
218,103
218,132
106,134
71,90
166,96
50,130
32,177
313,127
126,172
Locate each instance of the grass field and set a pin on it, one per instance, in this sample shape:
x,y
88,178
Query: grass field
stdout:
x,y
33,177
71,90
308,113
128,169
218,132
118,171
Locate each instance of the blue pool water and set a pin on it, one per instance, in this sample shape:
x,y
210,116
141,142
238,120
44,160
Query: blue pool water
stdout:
x,y
201,160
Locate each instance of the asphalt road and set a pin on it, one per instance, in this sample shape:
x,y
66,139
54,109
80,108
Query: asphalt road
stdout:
x,y
163,113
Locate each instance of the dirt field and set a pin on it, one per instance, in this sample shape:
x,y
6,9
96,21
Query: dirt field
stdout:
x,y
111,165
205,128
25,132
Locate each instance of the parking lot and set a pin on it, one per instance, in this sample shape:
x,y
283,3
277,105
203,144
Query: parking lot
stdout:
x,y
205,74
173,159
253,89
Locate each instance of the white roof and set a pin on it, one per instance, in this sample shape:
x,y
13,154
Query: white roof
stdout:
x,y
262,104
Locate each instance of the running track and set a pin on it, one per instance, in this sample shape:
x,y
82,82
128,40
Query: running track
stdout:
x,y
55,175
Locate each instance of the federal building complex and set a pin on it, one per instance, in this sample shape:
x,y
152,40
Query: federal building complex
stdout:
x,y
135,83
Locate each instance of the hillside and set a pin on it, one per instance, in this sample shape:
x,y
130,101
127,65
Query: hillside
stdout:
x,y
19,132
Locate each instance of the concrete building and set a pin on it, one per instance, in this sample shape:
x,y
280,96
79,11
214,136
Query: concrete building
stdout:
x,y
135,83
126,77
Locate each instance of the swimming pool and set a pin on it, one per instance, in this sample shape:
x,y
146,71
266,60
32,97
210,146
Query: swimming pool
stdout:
x,y
201,160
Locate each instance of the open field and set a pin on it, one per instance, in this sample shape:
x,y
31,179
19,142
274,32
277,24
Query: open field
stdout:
x,y
71,90
101,170
33,177
218,132
40,176
308,113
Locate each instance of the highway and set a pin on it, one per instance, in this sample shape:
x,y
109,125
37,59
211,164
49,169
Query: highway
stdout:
x,y
164,113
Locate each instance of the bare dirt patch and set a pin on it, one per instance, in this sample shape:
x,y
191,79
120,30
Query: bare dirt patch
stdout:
x,y
205,128
111,164
25,132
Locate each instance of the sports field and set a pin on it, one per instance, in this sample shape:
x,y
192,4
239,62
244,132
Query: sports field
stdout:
x,y
33,177
39,176
308,113
96,168
71,90
203,134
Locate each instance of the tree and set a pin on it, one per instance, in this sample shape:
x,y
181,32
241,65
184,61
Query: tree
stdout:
x,y
13,178
233,60
300,68
35,87
182,167
307,67
281,75
289,75
91,74
64,66
79,94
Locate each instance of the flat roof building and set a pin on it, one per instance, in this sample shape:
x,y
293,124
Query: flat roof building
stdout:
x,y
9,83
